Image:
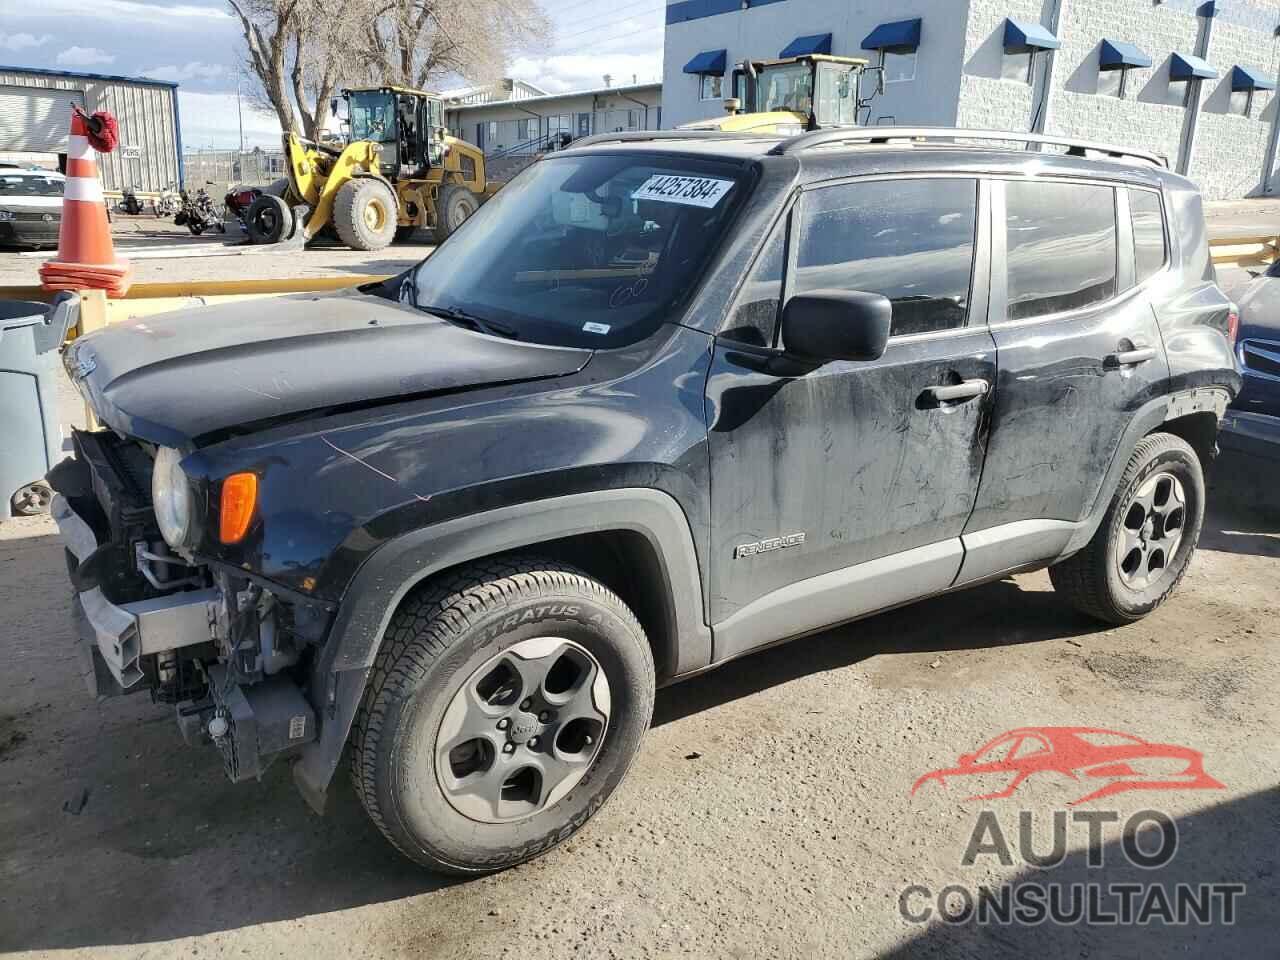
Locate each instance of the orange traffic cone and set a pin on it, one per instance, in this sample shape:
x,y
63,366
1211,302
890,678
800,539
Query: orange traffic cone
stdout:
x,y
86,258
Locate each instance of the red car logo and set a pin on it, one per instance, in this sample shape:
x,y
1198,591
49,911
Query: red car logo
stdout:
x,y
1086,754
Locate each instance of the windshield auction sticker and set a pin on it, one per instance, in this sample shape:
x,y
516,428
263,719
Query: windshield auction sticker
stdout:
x,y
691,191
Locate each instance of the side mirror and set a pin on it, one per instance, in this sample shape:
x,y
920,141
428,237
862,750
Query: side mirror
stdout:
x,y
333,106
827,325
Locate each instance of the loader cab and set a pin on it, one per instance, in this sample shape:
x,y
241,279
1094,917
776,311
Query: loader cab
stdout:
x,y
407,125
817,91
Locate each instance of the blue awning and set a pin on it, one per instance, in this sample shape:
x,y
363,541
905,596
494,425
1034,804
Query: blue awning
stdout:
x,y
899,35
1020,35
1118,55
818,43
1247,78
1186,67
708,61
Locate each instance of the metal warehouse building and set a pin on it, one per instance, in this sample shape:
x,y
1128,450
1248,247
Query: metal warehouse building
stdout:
x,y
35,118
1192,80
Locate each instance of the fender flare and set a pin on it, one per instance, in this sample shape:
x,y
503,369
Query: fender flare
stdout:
x,y
1148,417
341,671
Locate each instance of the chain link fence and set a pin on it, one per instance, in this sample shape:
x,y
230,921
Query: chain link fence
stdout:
x,y
225,168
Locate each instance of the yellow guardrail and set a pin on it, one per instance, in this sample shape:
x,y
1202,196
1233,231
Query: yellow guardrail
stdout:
x,y
1245,252
148,299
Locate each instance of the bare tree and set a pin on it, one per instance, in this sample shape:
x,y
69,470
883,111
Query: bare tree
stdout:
x,y
301,51
418,42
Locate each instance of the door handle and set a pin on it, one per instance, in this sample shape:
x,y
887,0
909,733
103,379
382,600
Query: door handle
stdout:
x,y
956,393
1131,358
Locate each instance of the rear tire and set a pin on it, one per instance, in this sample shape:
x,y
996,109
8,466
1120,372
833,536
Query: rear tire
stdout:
x,y
454,206
269,220
444,647
1145,542
364,214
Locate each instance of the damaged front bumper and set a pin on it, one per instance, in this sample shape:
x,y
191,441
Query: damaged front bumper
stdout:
x,y
115,637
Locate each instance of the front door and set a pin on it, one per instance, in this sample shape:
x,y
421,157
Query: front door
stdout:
x,y
1080,351
848,487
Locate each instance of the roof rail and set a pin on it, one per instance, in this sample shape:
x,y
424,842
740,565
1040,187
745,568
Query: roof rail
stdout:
x,y
883,135
643,136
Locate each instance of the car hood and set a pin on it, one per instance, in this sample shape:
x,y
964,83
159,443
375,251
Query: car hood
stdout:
x,y
175,378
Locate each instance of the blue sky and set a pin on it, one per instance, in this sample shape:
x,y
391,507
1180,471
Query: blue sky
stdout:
x,y
199,45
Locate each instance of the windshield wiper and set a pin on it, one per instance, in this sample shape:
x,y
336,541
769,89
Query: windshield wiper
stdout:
x,y
480,324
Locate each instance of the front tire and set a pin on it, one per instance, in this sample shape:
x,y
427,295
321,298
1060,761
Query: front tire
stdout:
x,y
1143,547
505,706
364,214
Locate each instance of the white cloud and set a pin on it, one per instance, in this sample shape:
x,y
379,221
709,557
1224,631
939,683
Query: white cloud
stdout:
x,y
211,120
116,10
195,70
22,41
558,74
84,57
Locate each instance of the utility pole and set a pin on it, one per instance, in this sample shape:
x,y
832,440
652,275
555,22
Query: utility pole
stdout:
x,y
240,116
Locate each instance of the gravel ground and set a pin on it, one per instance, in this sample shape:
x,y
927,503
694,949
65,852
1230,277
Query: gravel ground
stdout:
x,y
768,815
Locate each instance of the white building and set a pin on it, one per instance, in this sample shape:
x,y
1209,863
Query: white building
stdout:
x,y
1189,79
528,124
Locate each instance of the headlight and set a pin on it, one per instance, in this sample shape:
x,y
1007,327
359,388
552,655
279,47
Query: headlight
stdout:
x,y
171,497
7,215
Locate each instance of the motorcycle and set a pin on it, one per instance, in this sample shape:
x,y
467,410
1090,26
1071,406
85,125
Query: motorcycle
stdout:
x,y
238,201
167,204
198,214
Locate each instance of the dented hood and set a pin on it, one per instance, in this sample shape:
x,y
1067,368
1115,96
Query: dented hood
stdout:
x,y
180,376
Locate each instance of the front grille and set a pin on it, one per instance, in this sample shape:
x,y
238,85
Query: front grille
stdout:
x,y
29,216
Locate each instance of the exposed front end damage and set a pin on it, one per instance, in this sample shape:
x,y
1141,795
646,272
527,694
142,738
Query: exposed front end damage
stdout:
x,y
228,652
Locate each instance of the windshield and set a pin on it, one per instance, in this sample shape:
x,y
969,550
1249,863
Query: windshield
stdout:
x,y
372,116
586,251
788,87
28,185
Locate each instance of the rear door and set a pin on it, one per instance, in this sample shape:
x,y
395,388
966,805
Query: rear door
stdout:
x,y
1080,351
854,464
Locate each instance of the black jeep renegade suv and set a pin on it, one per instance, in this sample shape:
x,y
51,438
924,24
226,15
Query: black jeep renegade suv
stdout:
x,y
665,400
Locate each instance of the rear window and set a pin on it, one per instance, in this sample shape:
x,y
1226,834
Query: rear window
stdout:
x,y
1061,246
29,185
1148,232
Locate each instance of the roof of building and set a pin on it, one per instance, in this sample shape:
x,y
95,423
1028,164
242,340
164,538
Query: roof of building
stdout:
x,y
77,75
465,93
597,91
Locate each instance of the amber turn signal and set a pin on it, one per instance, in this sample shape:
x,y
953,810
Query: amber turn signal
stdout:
x,y
239,499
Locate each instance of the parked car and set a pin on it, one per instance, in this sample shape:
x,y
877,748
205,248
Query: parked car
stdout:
x,y
1252,425
30,207
667,399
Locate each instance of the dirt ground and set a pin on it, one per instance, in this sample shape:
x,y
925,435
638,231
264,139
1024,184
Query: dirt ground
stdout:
x,y
769,814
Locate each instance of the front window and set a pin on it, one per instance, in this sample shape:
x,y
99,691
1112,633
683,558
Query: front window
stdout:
x,y
27,185
712,86
585,251
788,87
373,117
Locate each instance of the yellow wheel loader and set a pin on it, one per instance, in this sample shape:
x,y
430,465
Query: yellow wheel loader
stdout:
x,y
792,95
398,171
